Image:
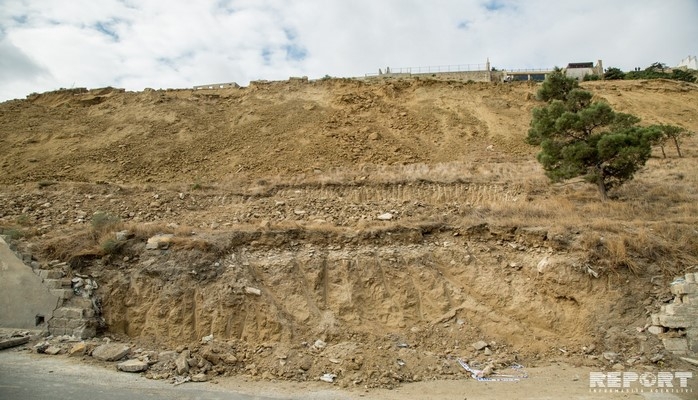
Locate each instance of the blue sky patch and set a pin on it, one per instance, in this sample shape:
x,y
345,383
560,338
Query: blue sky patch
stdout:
x,y
464,25
295,52
107,28
266,55
20,19
494,5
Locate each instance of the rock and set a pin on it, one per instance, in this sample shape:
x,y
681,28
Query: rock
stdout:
x,y
329,378
657,358
251,290
655,329
488,352
231,359
111,352
385,217
181,364
200,377
542,264
305,363
123,235
206,339
40,348
487,371
78,349
52,350
319,344
618,367
479,345
610,356
132,366
161,242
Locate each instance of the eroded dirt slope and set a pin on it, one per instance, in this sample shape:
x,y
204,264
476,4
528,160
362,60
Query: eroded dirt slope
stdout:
x,y
396,221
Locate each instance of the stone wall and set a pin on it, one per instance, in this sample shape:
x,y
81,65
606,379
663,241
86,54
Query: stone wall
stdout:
x,y
677,322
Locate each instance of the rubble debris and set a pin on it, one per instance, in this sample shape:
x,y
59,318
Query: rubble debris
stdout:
x,y
329,378
676,323
487,374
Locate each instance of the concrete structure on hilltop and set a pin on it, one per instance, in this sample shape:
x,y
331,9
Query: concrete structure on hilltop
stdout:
x,y
579,70
690,62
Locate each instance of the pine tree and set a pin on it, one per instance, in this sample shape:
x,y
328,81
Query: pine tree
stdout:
x,y
584,138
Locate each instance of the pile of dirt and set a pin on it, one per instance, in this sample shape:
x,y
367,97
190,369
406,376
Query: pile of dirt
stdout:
x,y
373,230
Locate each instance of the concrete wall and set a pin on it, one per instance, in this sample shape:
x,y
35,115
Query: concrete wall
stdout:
x,y
579,73
476,76
22,295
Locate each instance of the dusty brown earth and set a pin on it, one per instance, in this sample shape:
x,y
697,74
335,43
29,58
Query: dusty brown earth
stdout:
x,y
278,198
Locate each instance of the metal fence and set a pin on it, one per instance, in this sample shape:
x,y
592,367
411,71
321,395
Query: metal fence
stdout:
x,y
433,69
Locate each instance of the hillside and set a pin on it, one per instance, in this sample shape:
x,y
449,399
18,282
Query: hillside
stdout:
x,y
392,219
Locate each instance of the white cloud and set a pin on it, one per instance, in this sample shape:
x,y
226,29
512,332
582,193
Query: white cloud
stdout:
x,y
49,44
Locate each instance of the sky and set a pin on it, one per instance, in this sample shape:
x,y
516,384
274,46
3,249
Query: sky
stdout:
x,y
135,44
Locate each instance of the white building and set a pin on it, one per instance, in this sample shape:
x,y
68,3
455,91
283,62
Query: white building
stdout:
x,y
690,62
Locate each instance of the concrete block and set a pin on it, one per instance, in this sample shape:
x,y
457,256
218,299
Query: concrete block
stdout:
x,y
673,321
691,299
692,333
69,312
50,273
85,332
81,302
64,294
684,288
56,331
57,323
75,324
53,283
676,345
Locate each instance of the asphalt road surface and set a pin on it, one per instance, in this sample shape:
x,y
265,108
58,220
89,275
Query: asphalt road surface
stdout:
x,y
29,377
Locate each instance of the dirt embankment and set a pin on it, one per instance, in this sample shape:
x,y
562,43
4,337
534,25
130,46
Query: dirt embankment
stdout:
x,y
373,230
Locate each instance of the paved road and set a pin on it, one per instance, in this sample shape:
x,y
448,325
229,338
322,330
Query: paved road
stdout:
x,y
25,376
30,377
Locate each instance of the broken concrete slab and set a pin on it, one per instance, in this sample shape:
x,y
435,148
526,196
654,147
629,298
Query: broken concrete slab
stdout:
x,y
111,352
13,342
